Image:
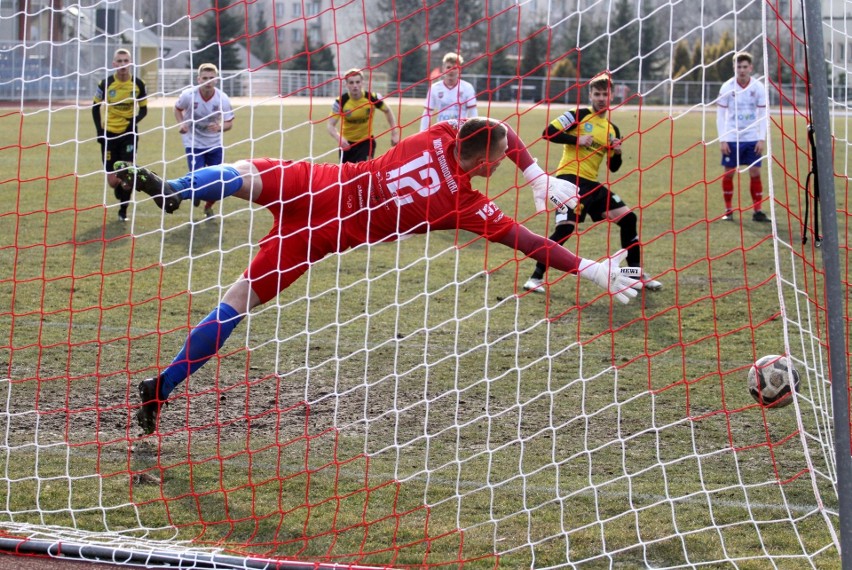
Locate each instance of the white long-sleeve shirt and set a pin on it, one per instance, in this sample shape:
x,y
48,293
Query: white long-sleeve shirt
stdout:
x,y
741,112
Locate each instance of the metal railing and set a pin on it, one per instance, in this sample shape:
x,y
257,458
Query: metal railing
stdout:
x,y
45,72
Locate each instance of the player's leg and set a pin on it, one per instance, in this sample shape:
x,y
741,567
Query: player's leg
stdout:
x,y
565,225
729,163
566,222
728,194
210,183
213,157
628,224
194,161
203,342
750,156
278,263
756,188
119,149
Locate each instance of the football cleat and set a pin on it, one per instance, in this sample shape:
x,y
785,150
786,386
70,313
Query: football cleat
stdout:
x,y
534,285
643,280
728,217
146,181
209,212
147,415
650,284
759,216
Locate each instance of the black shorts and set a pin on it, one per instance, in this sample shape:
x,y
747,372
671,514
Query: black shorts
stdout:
x,y
118,147
595,201
360,151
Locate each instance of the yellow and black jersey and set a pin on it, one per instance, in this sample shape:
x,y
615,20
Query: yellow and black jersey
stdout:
x,y
357,115
118,104
584,161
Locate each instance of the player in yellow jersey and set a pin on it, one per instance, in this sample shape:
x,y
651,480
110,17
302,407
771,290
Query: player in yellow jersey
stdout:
x,y
589,138
120,102
357,108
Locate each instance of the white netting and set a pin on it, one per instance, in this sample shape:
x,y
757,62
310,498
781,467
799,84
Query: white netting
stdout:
x,y
409,403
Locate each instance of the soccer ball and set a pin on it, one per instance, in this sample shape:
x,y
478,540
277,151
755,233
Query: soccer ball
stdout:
x,y
769,381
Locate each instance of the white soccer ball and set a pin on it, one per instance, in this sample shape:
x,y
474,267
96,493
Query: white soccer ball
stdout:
x,y
769,381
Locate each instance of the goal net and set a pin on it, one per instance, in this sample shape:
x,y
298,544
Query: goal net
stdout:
x,y
410,403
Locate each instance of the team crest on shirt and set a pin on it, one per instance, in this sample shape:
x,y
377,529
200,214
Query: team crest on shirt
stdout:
x,y
588,127
112,92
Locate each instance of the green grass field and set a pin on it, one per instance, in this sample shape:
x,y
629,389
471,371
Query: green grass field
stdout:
x,y
552,429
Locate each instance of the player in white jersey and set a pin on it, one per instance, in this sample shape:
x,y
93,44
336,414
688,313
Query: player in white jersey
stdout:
x,y
451,97
741,123
204,113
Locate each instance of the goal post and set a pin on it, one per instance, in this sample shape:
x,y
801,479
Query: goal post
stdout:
x,y
411,403
834,284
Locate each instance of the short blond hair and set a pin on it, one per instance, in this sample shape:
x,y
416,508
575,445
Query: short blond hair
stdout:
x,y
208,67
352,72
453,58
742,56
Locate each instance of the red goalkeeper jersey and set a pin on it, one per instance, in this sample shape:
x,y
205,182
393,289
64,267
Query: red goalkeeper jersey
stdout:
x,y
319,209
416,186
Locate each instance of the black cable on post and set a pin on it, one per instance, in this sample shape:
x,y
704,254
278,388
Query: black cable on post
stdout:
x,y
813,172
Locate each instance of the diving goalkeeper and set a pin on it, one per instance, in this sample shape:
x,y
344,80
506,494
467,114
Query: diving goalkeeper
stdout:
x,y
421,184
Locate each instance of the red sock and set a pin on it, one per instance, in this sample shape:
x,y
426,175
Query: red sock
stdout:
x,y
756,188
728,192
209,204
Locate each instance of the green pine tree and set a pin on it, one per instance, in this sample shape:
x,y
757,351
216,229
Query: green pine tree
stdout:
x,y
624,52
500,64
635,36
535,52
682,61
724,54
408,30
263,40
313,59
592,55
218,34
698,62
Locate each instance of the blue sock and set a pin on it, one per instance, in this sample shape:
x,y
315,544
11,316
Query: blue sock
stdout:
x,y
203,343
208,183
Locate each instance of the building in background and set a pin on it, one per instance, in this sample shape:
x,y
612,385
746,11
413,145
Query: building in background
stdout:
x,y
38,52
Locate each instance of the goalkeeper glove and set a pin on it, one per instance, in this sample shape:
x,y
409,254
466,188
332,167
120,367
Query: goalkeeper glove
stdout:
x,y
561,193
607,275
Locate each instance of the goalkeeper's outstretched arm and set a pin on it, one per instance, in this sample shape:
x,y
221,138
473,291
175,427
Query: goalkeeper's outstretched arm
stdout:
x,y
606,274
